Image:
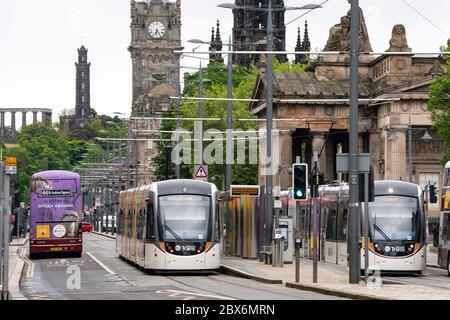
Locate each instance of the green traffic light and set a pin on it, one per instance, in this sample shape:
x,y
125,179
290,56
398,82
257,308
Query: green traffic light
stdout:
x,y
299,193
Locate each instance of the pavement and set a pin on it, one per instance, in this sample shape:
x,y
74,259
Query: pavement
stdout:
x,y
16,266
333,280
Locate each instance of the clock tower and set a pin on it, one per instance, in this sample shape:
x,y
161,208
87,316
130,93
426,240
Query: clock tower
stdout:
x,y
155,35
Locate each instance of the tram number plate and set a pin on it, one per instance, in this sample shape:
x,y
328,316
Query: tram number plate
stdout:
x,y
56,249
188,248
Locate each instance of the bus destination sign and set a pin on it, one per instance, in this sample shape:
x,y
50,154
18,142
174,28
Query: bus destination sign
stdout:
x,y
240,191
56,193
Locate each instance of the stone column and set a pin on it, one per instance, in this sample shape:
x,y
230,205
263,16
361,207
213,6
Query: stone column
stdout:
x,y
34,117
318,144
2,124
285,151
375,153
24,119
13,124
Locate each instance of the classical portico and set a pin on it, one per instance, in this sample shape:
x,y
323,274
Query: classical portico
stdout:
x,y
46,116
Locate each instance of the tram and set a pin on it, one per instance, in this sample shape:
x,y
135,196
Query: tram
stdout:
x,y
170,225
397,226
444,223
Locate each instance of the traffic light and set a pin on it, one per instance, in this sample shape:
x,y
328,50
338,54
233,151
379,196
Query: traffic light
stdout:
x,y
300,181
433,194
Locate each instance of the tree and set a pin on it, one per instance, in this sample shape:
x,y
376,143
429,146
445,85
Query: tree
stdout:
x,y
42,148
244,80
439,106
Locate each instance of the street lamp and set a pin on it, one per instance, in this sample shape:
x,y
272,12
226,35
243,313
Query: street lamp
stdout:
x,y
269,101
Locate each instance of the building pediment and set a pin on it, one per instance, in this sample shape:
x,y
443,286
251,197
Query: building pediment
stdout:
x,y
304,85
421,86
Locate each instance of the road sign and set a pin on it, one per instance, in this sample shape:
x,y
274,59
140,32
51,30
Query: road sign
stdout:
x,y
10,165
251,191
201,172
11,161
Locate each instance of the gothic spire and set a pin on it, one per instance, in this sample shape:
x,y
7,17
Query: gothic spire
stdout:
x,y
306,43
298,46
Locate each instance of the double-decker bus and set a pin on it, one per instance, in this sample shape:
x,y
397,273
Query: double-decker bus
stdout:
x,y
444,225
55,213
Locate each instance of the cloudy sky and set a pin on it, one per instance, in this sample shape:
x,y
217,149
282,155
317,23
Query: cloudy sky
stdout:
x,y
40,38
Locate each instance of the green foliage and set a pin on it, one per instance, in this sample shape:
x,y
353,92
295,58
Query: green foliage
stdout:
x,y
41,148
439,106
244,80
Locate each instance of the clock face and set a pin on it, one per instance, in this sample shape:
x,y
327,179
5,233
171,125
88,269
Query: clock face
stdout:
x,y
156,29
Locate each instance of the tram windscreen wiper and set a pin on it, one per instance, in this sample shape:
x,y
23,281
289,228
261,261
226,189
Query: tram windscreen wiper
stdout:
x,y
382,232
173,233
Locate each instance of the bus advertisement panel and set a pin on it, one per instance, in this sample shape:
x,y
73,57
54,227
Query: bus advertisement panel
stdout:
x,y
55,216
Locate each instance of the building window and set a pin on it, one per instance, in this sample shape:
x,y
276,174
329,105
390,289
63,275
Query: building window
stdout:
x,y
82,74
82,112
82,86
432,178
150,145
83,99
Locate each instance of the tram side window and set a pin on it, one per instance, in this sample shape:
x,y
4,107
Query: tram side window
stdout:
x,y
129,223
447,224
139,230
330,233
120,222
150,221
342,225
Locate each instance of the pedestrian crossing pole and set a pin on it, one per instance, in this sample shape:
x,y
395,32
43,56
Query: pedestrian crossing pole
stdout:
x,y
6,210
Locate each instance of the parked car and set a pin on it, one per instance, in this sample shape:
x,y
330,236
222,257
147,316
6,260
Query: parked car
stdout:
x,y
86,226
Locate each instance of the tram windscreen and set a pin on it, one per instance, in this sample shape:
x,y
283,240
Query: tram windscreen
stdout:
x,y
184,217
394,218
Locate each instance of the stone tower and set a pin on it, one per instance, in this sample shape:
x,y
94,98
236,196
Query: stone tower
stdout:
x,y
83,86
251,26
155,35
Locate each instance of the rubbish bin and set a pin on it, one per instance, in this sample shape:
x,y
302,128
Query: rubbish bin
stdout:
x,y
278,249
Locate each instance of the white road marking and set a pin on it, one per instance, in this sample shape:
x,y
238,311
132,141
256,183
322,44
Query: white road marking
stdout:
x,y
101,264
192,295
30,264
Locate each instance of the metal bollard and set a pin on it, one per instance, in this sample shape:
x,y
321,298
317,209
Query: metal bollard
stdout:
x,y
278,246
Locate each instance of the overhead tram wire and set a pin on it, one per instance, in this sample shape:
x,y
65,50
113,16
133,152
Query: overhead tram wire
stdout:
x,y
304,14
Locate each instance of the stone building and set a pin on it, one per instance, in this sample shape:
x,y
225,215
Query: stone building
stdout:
x,y
322,126
155,35
250,26
82,93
